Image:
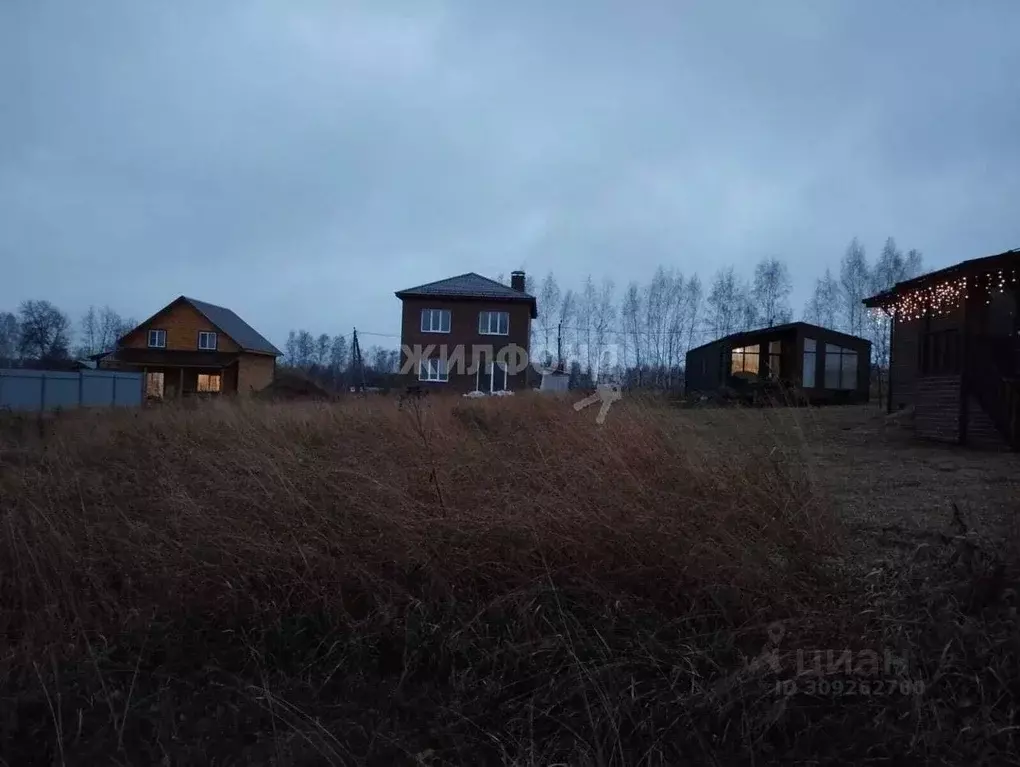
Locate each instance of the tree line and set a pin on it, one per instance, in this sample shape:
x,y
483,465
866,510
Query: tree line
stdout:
x,y
40,334
329,361
638,336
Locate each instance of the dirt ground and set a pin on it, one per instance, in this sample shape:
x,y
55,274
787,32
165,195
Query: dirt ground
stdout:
x,y
893,491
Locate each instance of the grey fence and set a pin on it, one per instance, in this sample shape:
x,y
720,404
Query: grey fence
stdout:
x,y
50,389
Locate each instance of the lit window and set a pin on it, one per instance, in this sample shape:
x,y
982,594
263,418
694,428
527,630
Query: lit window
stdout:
x,y
207,340
433,369
435,320
744,362
157,339
209,382
154,385
494,323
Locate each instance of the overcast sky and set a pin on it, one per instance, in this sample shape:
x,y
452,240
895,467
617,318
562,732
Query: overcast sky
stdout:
x,y
301,161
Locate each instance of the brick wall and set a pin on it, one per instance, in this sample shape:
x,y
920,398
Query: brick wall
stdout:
x,y
937,407
464,333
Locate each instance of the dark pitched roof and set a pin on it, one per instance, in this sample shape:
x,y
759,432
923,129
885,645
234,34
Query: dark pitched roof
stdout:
x,y
243,334
1005,259
752,335
469,285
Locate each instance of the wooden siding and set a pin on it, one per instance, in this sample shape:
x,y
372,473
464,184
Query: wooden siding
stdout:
x,y
903,362
937,408
905,355
464,332
182,324
254,372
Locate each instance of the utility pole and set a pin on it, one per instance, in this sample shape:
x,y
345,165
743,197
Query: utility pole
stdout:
x,y
559,347
357,363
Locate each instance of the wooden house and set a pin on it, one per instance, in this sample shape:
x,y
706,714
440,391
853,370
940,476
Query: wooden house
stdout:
x,y
191,347
821,365
955,351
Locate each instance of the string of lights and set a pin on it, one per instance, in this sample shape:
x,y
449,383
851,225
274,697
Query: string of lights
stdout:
x,y
945,297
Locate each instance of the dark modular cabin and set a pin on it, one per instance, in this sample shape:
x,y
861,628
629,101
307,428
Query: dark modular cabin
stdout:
x,y
955,351
822,365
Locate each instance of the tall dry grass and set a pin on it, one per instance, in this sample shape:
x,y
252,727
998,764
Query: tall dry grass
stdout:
x,y
451,582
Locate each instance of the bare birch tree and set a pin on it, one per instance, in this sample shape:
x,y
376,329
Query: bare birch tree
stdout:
x,y
549,299
633,326
823,306
854,284
770,292
724,304
603,320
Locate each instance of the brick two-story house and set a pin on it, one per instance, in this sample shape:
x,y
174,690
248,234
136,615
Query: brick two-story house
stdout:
x,y
467,333
190,347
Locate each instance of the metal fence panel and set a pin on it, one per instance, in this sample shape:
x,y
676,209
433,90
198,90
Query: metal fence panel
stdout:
x,y
51,389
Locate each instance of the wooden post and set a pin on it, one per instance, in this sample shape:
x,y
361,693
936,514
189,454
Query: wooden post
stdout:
x,y
965,378
180,384
892,336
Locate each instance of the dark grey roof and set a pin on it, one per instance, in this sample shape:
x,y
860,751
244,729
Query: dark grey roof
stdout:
x,y
742,336
468,285
243,334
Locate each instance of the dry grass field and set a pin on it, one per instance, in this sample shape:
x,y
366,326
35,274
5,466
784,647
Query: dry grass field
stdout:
x,y
503,582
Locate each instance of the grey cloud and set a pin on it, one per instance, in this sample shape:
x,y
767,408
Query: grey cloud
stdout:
x,y
301,161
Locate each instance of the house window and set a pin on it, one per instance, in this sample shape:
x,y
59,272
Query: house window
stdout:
x,y
207,340
940,353
840,367
435,320
209,382
433,369
494,323
775,358
744,362
157,339
491,378
809,364
154,385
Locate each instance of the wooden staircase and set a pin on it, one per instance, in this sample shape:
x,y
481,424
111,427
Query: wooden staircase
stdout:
x,y
993,380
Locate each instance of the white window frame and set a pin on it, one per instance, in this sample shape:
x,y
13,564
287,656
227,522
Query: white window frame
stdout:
x,y
435,319
492,367
485,323
205,334
160,338
433,370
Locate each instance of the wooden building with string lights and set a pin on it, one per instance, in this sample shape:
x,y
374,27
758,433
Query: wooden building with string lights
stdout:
x,y
955,351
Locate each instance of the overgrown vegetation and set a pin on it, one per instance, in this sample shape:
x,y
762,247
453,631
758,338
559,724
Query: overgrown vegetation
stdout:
x,y
484,582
